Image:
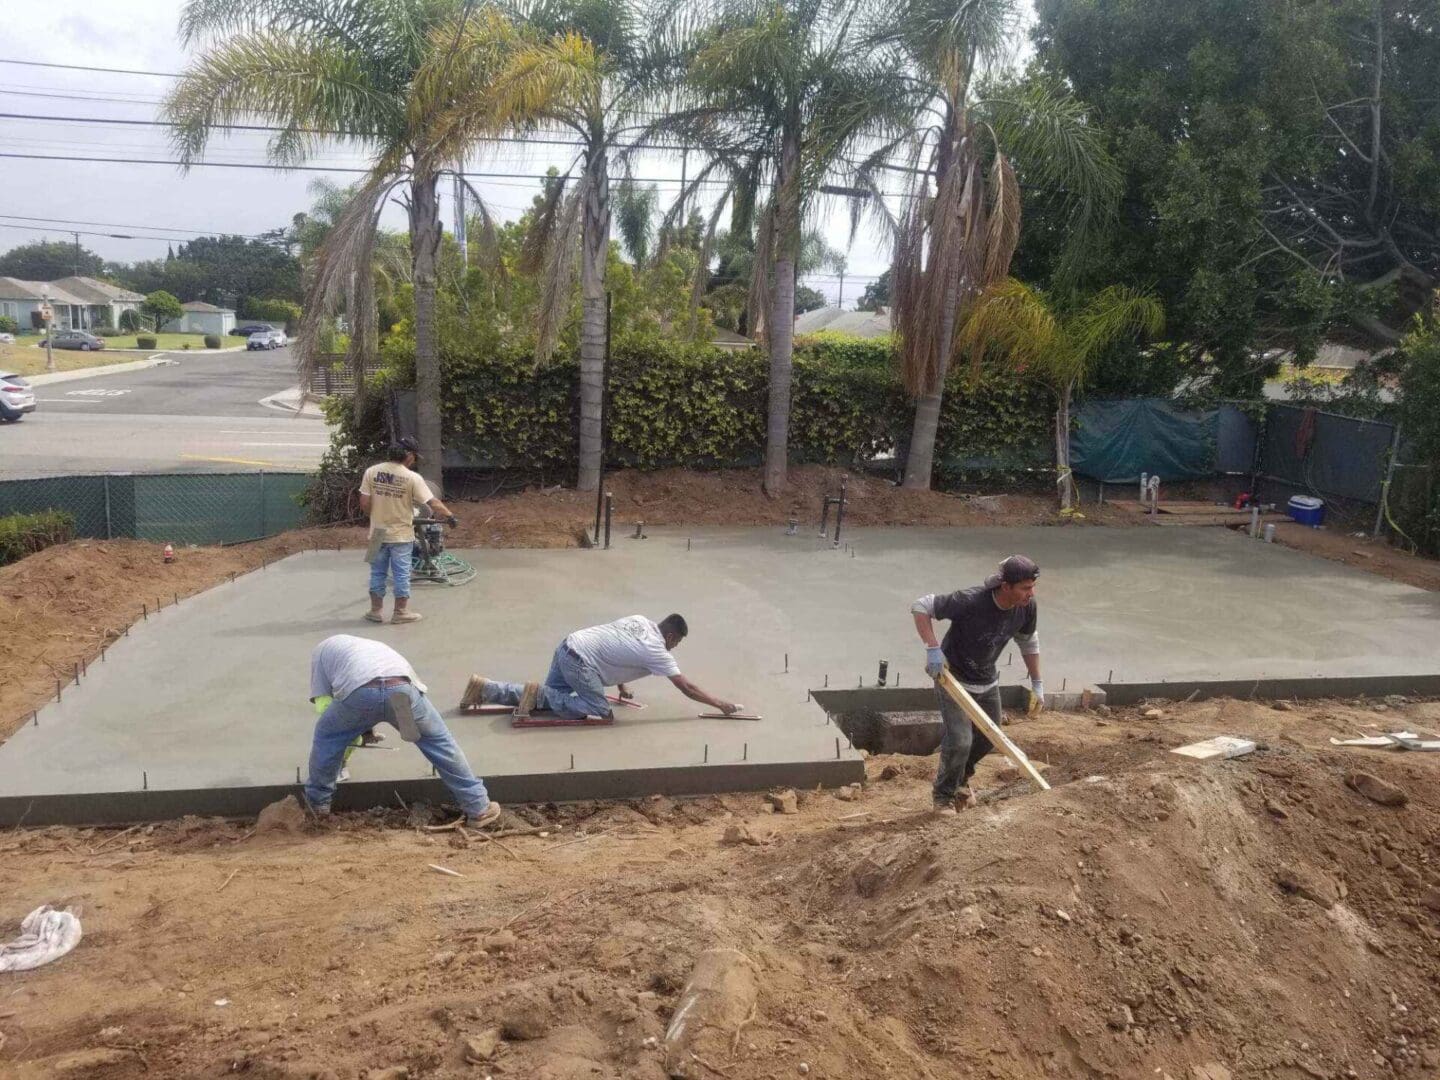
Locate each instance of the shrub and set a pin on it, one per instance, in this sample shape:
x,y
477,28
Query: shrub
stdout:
x,y
8,325
25,534
271,311
105,331
130,320
146,341
212,341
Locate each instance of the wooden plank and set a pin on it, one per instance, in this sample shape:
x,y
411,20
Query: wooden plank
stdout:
x,y
981,719
729,716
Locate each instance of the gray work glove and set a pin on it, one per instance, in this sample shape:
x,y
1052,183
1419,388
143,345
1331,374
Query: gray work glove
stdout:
x,y
934,662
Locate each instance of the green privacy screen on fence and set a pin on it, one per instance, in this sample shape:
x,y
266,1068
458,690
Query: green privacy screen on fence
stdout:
x,y
178,508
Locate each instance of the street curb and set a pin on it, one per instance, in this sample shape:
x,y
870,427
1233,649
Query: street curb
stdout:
x,y
286,401
52,377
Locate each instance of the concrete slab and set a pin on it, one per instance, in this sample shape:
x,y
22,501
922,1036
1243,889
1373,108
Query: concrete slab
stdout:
x,y
208,699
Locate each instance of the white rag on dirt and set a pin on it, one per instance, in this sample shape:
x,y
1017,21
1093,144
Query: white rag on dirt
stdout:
x,y
45,935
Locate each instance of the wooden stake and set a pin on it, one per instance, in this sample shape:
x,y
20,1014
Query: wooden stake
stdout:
x,y
990,729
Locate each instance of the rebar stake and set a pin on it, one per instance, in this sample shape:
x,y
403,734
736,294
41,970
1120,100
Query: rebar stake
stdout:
x,y
837,747
572,761
707,754
745,752
144,780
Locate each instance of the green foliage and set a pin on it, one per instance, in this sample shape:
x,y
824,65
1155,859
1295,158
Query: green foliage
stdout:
x,y
808,299
218,269
145,341
130,320
1415,495
212,341
9,325
286,312
673,403
25,534
50,260
876,294
162,307
107,332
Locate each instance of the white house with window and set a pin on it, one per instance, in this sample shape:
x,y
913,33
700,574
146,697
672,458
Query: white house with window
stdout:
x,y
76,303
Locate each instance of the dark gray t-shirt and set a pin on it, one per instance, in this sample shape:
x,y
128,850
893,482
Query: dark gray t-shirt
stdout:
x,y
979,631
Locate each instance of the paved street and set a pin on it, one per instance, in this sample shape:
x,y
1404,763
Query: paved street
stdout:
x,y
198,414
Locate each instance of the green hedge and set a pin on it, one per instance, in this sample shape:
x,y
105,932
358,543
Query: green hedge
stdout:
x,y
25,534
145,341
676,404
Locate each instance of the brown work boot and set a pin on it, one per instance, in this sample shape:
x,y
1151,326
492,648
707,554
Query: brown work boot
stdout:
x,y
487,817
529,698
964,798
474,692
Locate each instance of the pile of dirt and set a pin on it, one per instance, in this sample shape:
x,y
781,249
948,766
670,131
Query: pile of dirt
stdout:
x,y
1151,916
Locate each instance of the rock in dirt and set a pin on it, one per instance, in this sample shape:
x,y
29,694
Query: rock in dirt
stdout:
x,y
481,1047
283,816
1431,899
718,998
526,1016
890,772
1212,1071
1375,789
420,815
500,941
784,802
1282,706
1153,714
740,834
848,793
1298,882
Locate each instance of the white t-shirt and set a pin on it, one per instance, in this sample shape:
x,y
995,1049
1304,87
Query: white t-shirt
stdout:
x,y
624,650
342,663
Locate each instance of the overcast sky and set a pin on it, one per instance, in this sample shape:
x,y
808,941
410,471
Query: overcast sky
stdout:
x,y
148,199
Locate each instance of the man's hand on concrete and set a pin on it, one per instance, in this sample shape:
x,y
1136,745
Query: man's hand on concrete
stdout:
x,y
727,707
934,661
452,521
625,693
1037,696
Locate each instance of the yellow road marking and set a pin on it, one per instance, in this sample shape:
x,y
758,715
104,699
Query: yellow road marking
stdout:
x,y
230,460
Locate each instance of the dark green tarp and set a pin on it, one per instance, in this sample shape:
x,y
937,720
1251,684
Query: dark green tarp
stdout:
x,y
1116,441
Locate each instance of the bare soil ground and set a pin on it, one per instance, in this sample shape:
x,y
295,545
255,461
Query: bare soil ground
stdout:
x,y
1152,916
58,608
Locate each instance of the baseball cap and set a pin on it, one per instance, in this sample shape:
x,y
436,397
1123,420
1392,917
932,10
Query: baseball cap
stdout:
x,y
1012,569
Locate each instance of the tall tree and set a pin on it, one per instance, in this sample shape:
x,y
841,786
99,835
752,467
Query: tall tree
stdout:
x,y
50,260
339,66
1057,345
958,237
586,68
781,92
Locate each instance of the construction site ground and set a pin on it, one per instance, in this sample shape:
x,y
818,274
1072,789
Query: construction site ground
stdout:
x,y
1151,916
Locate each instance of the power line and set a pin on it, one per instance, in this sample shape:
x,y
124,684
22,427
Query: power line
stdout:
x,y
110,236
114,225
85,67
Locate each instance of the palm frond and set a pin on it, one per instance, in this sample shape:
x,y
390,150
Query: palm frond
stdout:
x,y
1012,320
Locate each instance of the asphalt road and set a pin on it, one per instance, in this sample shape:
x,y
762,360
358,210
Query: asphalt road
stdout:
x,y
197,414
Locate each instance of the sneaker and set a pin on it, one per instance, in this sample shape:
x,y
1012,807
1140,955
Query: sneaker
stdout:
x,y
405,616
344,775
529,698
371,737
483,820
474,692
318,809
374,616
403,716
944,809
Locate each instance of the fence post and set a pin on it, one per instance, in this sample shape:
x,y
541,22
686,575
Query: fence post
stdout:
x,y
262,502
109,530
1385,487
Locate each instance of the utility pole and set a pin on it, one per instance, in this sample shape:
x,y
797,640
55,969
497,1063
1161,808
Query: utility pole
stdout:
x,y
77,254
47,317
460,231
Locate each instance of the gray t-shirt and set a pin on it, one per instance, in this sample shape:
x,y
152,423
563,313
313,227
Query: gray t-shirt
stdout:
x,y
343,663
625,650
979,631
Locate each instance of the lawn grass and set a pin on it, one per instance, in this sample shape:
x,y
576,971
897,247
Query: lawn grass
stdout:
x,y
170,342
28,360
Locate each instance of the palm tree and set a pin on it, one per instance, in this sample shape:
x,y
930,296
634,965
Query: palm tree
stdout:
x,y
587,68
780,93
375,74
955,240
1058,346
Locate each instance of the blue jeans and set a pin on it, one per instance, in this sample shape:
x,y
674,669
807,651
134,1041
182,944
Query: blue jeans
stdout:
x,y
396,559
572,689
362,709
961,746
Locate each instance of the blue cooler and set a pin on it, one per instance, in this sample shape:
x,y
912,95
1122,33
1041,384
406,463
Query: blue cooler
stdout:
x,y
1307,510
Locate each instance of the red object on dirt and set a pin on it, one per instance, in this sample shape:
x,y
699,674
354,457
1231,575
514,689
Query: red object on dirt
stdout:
x,y
1242,500
169,553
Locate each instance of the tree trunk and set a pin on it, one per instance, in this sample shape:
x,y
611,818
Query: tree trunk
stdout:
x,y
425,255
594,244
782,314
1064,481
364,329
920,461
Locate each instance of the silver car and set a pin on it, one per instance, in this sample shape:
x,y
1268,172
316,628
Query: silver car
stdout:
x,y
16,397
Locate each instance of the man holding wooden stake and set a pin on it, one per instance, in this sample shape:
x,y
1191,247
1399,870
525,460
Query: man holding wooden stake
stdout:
x,y
983,620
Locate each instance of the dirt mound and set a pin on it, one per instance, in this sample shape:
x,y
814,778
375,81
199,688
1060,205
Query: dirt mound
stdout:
x,y
1150,916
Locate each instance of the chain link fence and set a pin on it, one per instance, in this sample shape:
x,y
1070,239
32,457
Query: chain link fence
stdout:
x,y
179,508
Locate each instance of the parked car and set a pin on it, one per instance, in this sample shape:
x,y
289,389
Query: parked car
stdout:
x,y
265,340
280,338
75,339
16,398
251,328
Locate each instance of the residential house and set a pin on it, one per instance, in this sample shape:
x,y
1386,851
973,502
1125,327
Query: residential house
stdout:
x,y
202,318
76,303
864,324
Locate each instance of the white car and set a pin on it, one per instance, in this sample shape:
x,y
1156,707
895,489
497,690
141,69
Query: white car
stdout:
x,y
16,397
279,339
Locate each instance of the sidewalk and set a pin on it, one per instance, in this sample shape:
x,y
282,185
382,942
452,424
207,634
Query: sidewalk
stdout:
x,y
152,359
289,401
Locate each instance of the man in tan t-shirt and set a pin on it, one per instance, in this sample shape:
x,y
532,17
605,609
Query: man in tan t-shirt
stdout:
x,y
389,493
